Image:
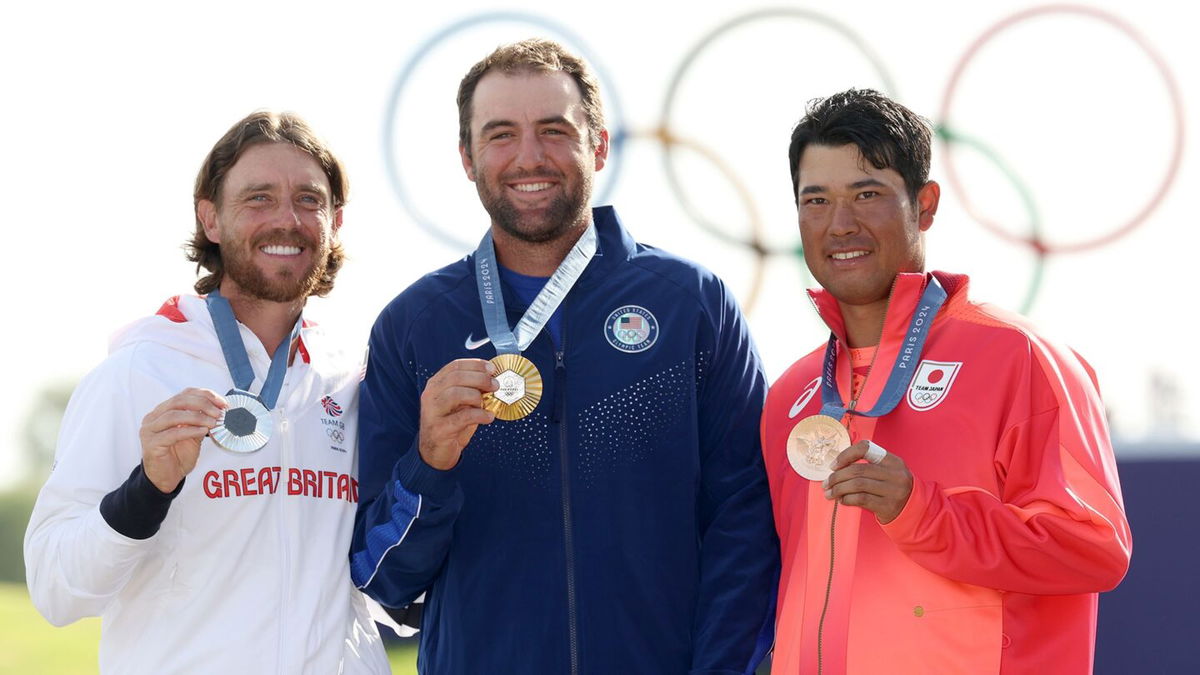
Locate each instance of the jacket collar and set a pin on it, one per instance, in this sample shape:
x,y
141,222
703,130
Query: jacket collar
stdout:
x,y
614,246
906,293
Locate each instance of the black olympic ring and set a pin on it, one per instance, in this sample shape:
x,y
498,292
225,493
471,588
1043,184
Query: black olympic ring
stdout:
x,y
668,140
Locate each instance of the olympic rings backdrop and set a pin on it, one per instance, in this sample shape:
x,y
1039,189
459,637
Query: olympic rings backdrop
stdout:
x,y
1067,150
1065,147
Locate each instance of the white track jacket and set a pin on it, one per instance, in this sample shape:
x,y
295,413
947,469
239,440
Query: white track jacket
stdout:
x,y
249,572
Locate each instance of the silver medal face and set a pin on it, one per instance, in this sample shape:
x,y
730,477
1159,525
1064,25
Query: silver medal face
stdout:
x,y
246,425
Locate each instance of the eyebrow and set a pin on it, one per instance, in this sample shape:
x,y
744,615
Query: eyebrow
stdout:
x,y
866,182
493,124
267,187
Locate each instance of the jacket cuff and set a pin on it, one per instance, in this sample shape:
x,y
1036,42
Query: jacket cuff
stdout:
x,y
418,477
904,526
137,508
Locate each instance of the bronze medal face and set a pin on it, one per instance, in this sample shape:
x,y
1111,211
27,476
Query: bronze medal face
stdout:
x,y
246,425
520,388
814,443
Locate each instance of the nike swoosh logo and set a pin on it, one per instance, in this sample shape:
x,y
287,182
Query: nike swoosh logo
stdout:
x,y
476,344
805,397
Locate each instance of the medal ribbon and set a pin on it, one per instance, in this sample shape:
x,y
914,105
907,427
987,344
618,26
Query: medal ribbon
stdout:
x,y
238,360
902,370
491,298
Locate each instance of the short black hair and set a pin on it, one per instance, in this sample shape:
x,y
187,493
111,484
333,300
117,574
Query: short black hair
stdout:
x,y
888,135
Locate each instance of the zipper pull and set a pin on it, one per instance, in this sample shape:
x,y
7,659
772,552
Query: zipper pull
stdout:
x,y
560,376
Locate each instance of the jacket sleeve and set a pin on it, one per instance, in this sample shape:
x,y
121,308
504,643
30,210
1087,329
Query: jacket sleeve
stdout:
x,y
1058,524
406,509
739,551
75,562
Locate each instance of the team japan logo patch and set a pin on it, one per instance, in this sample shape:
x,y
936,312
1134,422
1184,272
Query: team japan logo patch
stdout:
x,y
931,384
631,329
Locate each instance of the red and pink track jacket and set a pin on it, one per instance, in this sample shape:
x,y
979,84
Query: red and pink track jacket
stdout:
x,y
1014,524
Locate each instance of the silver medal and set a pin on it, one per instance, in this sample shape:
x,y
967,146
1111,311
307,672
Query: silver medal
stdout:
x,y
246,425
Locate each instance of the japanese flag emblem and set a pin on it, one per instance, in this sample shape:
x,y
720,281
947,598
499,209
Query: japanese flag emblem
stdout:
x,y
931,384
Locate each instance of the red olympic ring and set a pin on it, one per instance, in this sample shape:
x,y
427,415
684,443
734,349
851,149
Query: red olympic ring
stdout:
x,y
1177,108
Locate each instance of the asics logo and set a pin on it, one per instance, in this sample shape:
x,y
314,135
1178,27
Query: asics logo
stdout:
x,y
475,344
805,397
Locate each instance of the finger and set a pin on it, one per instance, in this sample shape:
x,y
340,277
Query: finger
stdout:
x,y
875,453
451,400
165,439
174,418
204,400
850,455
471,417
855,485
467,365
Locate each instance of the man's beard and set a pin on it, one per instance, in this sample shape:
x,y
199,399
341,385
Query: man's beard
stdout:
x,y
564,212
282,287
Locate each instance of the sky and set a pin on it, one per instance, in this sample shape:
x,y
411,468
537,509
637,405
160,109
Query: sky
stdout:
x,y
1073,124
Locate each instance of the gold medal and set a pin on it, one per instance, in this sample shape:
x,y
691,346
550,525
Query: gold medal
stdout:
x,y
520,387
813,445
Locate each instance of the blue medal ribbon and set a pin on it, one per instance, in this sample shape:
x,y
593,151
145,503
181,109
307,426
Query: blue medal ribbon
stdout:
x,y
491,297
902,370
238,360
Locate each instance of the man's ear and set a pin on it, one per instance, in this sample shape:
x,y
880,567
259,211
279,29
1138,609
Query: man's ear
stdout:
x,y
927,204
337,222
602,150
206,211
468,166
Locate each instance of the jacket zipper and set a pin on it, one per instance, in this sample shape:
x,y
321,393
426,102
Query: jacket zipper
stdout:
x,y
281,500
833,517
560,416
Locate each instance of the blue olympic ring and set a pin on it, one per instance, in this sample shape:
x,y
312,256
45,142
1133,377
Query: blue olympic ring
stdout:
x,y
616,133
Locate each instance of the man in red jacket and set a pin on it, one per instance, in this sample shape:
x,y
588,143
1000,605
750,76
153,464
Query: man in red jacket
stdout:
x,y
943,481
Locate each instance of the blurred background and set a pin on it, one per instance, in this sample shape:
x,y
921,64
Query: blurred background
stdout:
x,y
1066,152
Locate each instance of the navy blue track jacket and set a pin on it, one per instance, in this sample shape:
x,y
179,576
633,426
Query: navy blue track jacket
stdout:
x,y
624,526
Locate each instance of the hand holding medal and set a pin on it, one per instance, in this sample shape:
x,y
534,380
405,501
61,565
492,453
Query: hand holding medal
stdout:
x,y
171,433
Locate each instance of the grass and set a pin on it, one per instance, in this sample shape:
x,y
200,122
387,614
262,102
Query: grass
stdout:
x,y
28,644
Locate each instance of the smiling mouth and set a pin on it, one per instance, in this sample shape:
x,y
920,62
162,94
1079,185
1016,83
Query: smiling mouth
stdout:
x,y
849,255
278,249
532,187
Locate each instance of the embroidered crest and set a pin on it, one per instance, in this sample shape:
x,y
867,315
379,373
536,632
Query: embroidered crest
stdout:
x,y
631,329
331,407
931,384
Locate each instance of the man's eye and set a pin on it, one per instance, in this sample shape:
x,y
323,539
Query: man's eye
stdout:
x,y
868,194
815,200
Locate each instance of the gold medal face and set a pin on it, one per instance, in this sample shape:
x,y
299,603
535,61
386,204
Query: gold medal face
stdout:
x,y
520,388
814,443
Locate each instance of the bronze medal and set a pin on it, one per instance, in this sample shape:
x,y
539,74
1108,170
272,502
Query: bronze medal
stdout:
x,y
813,445
520,388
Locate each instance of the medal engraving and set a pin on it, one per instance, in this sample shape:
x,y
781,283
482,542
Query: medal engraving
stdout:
x,y
520,388
246,425
813,445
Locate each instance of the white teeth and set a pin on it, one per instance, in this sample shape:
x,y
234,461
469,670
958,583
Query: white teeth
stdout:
x,y
849,255
281,250
532,187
